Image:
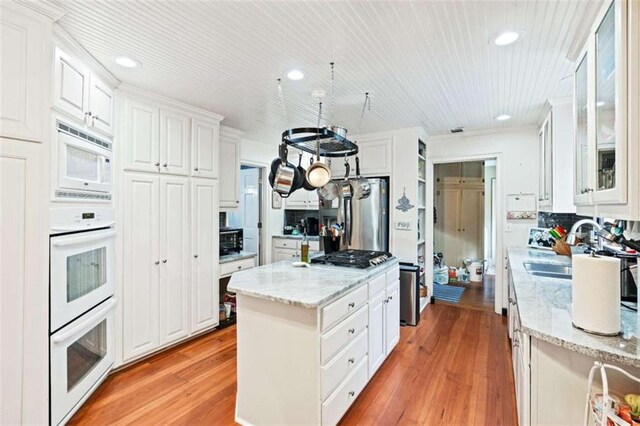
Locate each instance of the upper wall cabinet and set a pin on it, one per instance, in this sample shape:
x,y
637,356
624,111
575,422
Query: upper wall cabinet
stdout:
x,y
80,94
556,136
375,159
163,138
22,51
229,168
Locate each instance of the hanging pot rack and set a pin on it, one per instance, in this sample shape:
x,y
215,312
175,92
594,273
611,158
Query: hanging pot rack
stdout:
x,y
331,143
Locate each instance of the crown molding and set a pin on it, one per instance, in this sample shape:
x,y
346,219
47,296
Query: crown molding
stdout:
x,y
44,7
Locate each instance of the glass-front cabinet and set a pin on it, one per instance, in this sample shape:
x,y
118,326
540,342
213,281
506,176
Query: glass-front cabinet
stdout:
x,y
545,183
600,106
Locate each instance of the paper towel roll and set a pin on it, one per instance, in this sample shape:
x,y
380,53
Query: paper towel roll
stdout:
x,y
596,294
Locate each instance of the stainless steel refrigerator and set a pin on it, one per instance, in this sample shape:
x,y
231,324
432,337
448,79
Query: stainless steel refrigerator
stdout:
x,y
368,228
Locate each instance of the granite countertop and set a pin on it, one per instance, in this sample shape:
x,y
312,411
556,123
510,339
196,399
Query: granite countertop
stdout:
x,y
300,286
236,256
544,306
297,237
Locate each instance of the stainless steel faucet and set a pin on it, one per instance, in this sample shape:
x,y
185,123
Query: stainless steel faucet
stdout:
x,y
572,239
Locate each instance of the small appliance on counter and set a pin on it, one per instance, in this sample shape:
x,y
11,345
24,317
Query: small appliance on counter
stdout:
x,y
230,241
359,259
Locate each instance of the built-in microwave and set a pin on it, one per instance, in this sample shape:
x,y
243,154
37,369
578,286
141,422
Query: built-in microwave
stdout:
x,y
84,164
230,240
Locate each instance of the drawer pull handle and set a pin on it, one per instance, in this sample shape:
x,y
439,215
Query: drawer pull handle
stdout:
x,y
352,304
352,330
516,343
351,393
352,360
195,256
239,266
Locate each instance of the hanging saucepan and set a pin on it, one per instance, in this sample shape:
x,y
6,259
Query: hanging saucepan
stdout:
x,y
304,183
360,184
347,195
284,177
330,191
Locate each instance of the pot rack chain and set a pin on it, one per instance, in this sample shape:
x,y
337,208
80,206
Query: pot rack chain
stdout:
x,y
367,102
333,75
281,96
317,133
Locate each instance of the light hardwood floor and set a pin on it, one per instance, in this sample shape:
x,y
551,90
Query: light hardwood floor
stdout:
x,y
479,296
453,369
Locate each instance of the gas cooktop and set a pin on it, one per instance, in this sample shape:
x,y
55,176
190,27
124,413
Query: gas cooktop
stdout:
x,y
359,259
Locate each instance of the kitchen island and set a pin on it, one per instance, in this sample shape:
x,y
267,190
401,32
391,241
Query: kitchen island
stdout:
x,y
310,339
551,358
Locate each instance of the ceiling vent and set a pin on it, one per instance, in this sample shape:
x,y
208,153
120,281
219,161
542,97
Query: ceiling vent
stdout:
x,y
456,130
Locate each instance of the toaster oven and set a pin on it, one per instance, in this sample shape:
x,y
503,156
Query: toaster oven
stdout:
x,y
230,240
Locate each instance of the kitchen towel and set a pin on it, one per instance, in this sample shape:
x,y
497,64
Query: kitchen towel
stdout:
x,y
596,294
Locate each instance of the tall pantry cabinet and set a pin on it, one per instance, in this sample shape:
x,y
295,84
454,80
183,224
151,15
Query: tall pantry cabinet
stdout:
x,y
169,288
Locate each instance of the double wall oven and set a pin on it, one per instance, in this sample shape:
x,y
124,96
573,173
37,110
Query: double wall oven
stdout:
x,y
81,294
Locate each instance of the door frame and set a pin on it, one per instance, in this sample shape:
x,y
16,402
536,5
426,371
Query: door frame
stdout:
x,y
432,160
263,208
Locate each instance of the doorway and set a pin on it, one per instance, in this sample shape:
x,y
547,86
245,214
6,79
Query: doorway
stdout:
x,y
464,233
248,216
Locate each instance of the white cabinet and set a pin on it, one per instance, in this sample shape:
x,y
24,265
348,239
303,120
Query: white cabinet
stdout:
x,y
175,259
301,199
23,42
81,94
392,316
174,142
284,254
384,318
228,268
375,159
156,262
377,347
205,137
229,169
545,173
141,141
288,249
204,260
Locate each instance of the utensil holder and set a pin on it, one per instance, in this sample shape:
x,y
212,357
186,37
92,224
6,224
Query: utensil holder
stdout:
x,y
331,244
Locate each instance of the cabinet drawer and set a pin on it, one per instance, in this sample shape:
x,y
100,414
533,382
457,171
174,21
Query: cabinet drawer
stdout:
x,y
231,267
285,243
377,284
314,245
343,363
393,274
341,399
342,307
345,332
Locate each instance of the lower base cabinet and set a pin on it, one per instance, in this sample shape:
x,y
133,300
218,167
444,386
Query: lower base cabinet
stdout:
x,y
308,365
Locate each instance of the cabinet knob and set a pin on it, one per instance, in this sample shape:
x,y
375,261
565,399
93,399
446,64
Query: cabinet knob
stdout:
x,y
195,256
517,330
195,169
352,360
239,267
164,260
96,117
352,330
157,262
237,202
164,165
87,114
390,297
352,304
157,164
351,393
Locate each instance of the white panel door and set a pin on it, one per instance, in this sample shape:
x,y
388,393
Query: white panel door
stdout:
x,y
174,142
229,173
250,209
377,349
472,224
141,261
205,248
101,105
449,214
174,259
205,137
22,73
71,85
141,143
392,317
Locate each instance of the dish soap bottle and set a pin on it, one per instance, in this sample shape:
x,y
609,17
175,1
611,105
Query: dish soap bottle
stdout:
x,y
304,249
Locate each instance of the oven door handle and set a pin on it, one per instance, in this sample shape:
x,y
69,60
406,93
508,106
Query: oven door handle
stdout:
x,y
106,225
84,239
86,324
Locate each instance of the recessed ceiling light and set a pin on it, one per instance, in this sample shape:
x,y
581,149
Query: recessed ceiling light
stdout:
x,y
295,75
503,117
506,37
125,61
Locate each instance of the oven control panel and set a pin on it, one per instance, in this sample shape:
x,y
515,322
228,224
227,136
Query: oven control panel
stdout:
x,y
72,219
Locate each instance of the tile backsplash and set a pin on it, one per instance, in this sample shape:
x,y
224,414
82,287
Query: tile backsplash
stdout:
x,y
551,220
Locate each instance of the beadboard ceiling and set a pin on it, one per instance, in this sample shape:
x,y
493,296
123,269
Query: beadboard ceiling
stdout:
x,y
426,64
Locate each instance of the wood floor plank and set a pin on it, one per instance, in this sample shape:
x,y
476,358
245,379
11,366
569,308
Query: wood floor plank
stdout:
x,y
453,369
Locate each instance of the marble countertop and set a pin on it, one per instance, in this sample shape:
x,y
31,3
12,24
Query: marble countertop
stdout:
x,y
301,286
237,256
297,237
544,306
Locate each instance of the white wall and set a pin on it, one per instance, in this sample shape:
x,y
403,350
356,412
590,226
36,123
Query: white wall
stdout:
x,y
517,171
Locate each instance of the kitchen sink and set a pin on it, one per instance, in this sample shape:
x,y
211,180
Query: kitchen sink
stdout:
x,y
548,270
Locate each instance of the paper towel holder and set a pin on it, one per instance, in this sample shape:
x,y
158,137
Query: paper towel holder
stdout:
x,y
596,333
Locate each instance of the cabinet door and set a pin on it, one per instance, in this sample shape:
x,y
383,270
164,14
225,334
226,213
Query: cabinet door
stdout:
x,y
101,105
141,264
545,177
284,254
377,349
297,200
205,137
229,173
472,224
141,143
204,248
392,317
70,85
174,259
22,76
449,214
582,112
610,105
174,142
